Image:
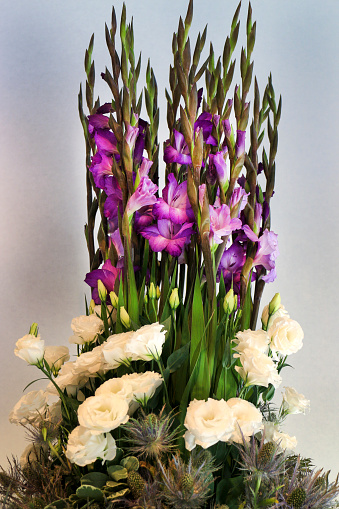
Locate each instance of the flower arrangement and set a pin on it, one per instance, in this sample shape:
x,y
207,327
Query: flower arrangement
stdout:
x,y
168,402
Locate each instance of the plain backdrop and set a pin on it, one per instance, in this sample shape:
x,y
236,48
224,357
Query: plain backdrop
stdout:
x,y
43,256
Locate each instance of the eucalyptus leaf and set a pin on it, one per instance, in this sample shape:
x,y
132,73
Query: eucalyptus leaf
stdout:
x,y
89,492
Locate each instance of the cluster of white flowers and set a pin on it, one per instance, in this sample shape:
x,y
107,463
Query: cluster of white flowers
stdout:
x,y
211,421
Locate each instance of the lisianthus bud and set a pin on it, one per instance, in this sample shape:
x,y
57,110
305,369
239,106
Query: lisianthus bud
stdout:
x,y
152,291
34,329
174,299
158,292
124,317
91,307
114,299
230,302
274,305
102,291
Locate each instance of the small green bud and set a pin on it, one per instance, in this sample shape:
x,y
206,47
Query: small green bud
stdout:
x,y
275,303
230,302
152,291
158,292
174,299
91,307
102,291
114,299
124,317
44,433
34,329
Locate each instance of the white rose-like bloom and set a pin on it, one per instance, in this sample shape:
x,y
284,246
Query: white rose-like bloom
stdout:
x,y
272,434
56,356
89,363
103,413
286,336
111,313
119,386
143,385
86,329
147,342
29,408
248,419
256,339
293,402
114,349
257,368
84,447
30,348
68,379
208,422
280,313
33,453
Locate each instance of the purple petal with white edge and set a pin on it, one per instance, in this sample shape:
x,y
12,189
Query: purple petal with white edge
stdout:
x,y
240,143
117,243
131,136
144,168
238,199
233,258
227,127
250,233
219,163
221,223
270,276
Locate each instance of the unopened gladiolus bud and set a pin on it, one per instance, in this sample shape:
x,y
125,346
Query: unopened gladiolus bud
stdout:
x,y
274,305
102,291
158,292
34,329
124,317
114,299
152,291
91,307
230,302
174,299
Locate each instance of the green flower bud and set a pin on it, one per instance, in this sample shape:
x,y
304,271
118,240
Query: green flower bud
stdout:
x,y
152,291
91,307
174,299
114,299
34,329
274,305
158,292
102,291
230,302
124,317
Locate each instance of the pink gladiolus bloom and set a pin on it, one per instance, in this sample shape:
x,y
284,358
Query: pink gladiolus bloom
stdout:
x,y
101,168
221,223
179,153
267,251
143,195
174,204
167,236
238,199
106,141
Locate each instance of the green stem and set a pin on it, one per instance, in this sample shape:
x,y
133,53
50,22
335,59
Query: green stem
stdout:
x,y
61,394
159,362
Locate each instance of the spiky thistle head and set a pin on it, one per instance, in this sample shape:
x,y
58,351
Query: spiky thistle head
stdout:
x,y
186,485
151,436
261,458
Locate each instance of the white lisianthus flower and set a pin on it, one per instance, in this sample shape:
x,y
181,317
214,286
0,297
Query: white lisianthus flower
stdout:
x,y
208,422
114,349
143,385
256,339
30,348
111,313
29,408
56,356
268,321
293,402
89,363
118,386
103,413
68,379
33,453
257,368
147,342
248,419
86,329
84,447
284,441
286,336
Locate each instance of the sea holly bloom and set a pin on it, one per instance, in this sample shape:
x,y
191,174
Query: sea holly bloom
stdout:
x,y
143,196
107,274
221,223
167,236
180,153
174,204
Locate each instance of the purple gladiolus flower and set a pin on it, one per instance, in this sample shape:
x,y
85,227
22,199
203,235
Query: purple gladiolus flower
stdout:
x,y
179,153
205,122
267,251
101,168
106,141
174,204
143,195
167,236
105,108
107,274
131,136
238,199
221,223
145,167
140,141
143,217
240,143
233,258
227,127
115,239
217,161
97,121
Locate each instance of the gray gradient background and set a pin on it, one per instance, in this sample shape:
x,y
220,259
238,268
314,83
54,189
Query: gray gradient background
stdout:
x,y
43,257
